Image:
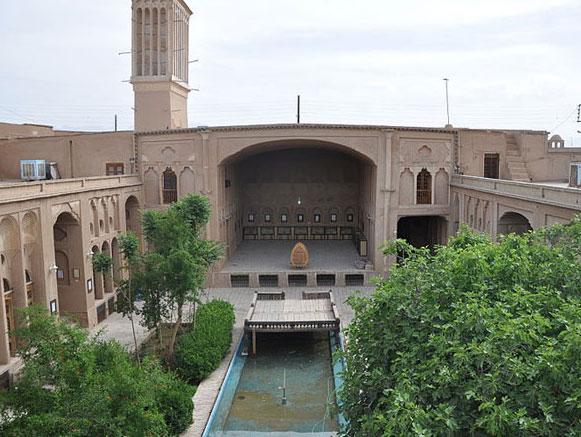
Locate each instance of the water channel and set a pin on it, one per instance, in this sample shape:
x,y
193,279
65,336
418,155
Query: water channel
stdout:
x,y
287,389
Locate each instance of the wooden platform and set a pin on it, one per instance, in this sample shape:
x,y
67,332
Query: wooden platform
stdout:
x,y
271,312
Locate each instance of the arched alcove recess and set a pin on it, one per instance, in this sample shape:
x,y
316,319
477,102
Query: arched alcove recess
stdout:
x,y
250,217
133,215
63,273
116,257
7,341
475,214
282,214
13,268
97,277
485,220
72,292
151,187
95,218
299,211
442,187
32,258
406,187
265,214
513,222
467,210
187,181
333,216
108,278
455,213
322,216
104,213
8,235
115,207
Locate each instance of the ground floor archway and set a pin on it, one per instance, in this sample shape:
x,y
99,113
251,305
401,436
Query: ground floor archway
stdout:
x,y
69,262
513,222
423,231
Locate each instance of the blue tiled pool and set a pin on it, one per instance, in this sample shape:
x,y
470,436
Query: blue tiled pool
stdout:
x,y
250,402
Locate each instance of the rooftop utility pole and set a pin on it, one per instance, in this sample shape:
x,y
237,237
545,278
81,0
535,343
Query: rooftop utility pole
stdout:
x,y
299,109
447,102
579,116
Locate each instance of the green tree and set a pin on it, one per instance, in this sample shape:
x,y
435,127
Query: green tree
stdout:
x,y
150,282
75,386
129,248
102,263
175,235
476,338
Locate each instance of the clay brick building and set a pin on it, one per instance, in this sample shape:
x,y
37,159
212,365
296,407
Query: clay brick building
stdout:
x,y
339,188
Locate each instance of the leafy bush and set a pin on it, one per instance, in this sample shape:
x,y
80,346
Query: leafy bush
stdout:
x,y
478,338
201,350
174,399
75,386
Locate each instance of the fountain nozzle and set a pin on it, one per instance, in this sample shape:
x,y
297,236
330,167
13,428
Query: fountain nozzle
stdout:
x,y
284,387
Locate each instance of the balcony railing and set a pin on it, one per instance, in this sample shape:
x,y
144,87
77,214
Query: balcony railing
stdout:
x,y
10,192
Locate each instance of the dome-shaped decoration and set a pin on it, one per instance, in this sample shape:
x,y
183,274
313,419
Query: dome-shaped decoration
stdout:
x,y
299,256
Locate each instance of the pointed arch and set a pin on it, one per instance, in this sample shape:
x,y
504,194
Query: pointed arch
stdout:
x,y
187,181
151,186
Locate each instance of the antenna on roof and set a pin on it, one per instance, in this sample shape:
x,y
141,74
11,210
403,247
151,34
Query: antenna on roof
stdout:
x,y
299,109
447,102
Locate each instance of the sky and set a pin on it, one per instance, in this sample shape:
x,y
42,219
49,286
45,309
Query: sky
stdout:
x,y
511,64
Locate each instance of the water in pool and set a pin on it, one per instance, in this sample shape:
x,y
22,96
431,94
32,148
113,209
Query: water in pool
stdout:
x,y
257,405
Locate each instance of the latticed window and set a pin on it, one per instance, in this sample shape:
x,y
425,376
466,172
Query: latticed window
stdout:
x,y
491,165
424,188
170,186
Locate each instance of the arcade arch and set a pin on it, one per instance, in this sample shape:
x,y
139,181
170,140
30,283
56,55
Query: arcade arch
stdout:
x,y
423,231
72,294
133,215
513,222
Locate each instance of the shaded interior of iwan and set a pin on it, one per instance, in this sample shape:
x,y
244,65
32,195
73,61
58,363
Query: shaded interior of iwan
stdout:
x,y
286,185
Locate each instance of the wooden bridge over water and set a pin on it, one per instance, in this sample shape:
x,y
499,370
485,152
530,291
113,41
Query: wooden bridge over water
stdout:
x,y
271,312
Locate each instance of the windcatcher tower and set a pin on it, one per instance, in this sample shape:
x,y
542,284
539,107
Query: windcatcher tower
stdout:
x,y
160,64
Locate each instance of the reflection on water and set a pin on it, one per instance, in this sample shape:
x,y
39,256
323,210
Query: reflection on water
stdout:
x,y
257,402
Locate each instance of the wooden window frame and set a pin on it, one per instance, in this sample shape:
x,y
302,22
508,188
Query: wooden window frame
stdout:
x,y
492,165
111,168
170,192
424,188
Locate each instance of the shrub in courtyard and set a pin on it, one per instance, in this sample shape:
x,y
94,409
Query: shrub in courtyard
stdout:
x,y
477,338
75,386
201,350
174,398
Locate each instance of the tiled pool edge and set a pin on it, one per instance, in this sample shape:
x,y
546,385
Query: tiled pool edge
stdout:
x,y
338,368
236,357
206,395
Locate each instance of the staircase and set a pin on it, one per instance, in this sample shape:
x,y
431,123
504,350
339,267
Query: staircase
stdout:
x,y
517,170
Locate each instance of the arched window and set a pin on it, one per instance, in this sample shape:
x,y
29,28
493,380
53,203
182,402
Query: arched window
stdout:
x,y
424,188
170,186
6,285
